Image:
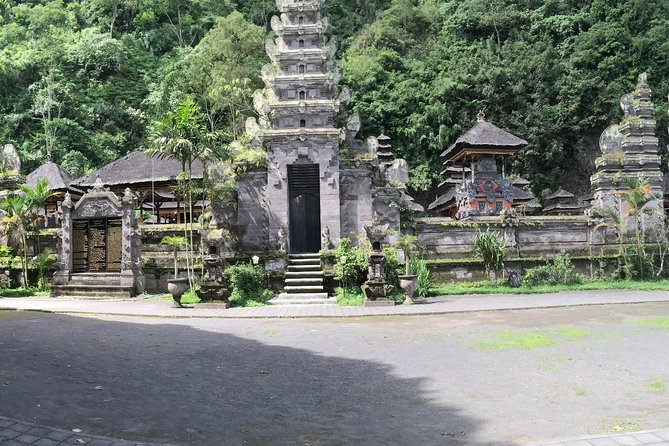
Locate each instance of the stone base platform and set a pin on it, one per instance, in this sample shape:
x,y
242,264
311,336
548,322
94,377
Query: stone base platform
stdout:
x,y
94,286
302,299
379,303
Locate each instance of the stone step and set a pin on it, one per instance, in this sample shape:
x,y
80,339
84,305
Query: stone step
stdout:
x,y
302,299
305,281
304,274
301,268
304,256
92,291
316,261
304,289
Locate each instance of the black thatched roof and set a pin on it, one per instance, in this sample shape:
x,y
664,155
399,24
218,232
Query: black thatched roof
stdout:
x,y
520,182
58,178
521,194
446,200
562,207
486,135
560,193
135,168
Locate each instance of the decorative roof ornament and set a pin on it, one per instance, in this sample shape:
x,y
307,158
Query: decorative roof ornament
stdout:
x,y
480,117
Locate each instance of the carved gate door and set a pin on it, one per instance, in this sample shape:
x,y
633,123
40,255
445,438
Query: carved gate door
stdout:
x,y
304,208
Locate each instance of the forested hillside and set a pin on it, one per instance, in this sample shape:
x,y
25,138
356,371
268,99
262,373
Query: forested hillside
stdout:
x,y
82,81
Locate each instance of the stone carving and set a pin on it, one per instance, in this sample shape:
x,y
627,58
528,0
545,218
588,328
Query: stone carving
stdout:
x,y
376,288
282,239
10,159
97,208
326,243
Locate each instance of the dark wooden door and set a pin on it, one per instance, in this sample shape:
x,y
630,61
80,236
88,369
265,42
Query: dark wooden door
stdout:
x,y
305,208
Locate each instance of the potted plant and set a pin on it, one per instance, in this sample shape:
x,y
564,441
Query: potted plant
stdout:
x,y
176,286
409,244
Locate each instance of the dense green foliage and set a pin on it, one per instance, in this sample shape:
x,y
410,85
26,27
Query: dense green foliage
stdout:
x,y
558,271
81,81
248,285
489,247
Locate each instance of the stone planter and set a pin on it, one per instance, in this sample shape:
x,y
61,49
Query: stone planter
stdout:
x,y
177,288
408,285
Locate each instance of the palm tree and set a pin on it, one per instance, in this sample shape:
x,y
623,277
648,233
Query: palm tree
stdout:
x,y
182,135
175,241
36,199
14,227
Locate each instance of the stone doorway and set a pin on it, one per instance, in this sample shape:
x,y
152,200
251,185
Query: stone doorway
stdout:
x,y
304,208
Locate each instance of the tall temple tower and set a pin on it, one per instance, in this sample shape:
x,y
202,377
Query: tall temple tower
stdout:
x,y
297,128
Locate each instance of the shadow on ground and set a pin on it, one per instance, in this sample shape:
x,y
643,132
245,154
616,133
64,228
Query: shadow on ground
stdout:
x,y
176,384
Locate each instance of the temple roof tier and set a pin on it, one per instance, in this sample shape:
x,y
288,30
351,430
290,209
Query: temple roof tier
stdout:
x,y
484,138
299,5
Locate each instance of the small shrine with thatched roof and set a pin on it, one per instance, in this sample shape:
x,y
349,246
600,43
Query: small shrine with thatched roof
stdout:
x,y
562,202
483,188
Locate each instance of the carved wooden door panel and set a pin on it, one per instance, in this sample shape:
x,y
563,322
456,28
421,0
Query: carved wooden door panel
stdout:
x,y
305,208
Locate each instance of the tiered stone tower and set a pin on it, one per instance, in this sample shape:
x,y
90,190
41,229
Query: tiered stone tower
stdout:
x,y
629,149
297,128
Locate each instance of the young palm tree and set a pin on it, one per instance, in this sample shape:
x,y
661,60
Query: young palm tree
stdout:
x,y
182,135
175,241
36,199
14,227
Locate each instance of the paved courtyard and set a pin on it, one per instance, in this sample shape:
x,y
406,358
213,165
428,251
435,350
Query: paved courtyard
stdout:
x,y
495,377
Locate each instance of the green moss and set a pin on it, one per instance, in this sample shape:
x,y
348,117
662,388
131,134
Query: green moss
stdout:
x,y
656,384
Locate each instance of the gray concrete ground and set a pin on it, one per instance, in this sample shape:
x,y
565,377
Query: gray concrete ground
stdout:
x,y
477,378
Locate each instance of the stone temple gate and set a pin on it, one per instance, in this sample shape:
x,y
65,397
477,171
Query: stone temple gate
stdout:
x,y
100,246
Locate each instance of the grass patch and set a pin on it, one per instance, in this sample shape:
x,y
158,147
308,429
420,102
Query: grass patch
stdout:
x,y
500,287
625,425
350,297
23,292
656,384
579,391
530,340
656,322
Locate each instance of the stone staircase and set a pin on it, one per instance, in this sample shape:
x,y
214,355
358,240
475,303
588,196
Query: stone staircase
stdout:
x,y
94,286
303,282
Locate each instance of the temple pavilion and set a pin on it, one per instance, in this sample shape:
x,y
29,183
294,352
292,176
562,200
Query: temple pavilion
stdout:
x,y
483,188
151,180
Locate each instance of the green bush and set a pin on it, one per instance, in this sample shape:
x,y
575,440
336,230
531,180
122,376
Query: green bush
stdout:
x,y
489,246
248,285
419,268
354,270
559,271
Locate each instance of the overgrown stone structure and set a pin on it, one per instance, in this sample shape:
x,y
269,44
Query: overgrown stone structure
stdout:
x,y
629,150
100,246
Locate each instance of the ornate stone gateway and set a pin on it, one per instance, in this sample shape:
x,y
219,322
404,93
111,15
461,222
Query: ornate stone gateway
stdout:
x,y
100,246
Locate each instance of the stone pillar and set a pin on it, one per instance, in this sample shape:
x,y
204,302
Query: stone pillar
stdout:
x,y
62,275
128,224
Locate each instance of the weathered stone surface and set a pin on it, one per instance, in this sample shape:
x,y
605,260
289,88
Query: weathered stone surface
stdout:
x,y
10,159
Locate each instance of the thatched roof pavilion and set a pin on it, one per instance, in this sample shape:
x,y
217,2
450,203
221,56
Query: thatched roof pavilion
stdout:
x,y
149,178
59,179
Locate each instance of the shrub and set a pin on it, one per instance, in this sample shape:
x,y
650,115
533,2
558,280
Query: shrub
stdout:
x,y
420,269
248,285
353,271
489,246
559,271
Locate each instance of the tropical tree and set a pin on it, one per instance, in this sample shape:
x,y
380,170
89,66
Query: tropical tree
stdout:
x,y
182,135
176,242
14,226
36,198
409,244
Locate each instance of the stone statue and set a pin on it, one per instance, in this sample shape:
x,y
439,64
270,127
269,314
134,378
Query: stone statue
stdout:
x,y
326,243
10,158
282,240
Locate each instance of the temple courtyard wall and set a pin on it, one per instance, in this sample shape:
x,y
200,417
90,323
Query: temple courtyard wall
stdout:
x,y
449,247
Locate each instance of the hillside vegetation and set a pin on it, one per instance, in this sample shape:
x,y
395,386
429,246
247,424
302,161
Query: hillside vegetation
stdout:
x,y
82,81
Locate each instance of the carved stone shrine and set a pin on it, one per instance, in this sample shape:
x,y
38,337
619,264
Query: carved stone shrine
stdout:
x,y
99,246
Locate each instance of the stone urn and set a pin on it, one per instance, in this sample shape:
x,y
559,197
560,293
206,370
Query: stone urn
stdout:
x,y
177,288
408,284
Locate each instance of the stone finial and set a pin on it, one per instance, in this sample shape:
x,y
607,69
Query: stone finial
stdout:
x,y
67,202
480,117
642,80
98,186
